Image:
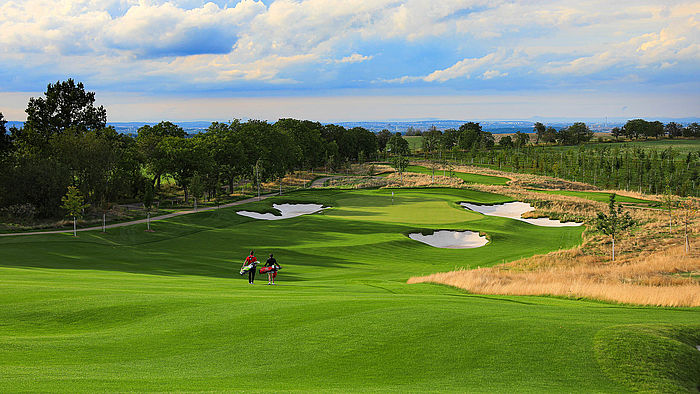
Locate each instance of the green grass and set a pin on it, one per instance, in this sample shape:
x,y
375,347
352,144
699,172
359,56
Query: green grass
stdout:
x,y
680,146
652,358
167,311
465,176
596,196
415,142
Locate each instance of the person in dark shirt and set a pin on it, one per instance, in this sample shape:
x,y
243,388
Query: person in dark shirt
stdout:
x,y
271,275
251,260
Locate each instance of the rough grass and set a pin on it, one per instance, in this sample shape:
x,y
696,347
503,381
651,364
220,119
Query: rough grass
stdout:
x,y
649,281
651,357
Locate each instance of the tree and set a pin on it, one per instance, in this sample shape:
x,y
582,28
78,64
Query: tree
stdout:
x,y
691,130
64,105
148,196
506,141
654,129
614,222
399,163
521,139
469,135
431,140
307,136
196,188
150,142
5,141
673,129
397,145
575,134
74,203
616,132
382,139
450,138
540,130
550,135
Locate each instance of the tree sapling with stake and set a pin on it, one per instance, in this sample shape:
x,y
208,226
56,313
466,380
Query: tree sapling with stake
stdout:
x,y
74,203
614,222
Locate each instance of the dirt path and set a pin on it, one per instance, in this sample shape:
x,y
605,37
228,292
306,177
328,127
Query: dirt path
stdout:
x,y
140,221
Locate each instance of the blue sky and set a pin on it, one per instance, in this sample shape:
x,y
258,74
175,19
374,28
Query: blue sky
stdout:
x,y
357,60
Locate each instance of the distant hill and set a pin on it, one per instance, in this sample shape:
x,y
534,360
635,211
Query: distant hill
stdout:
x,y
401,126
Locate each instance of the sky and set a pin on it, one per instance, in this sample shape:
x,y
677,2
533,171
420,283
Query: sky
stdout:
x,y
353,60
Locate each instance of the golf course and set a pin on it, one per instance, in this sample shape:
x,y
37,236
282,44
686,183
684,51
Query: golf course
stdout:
x,y
130,310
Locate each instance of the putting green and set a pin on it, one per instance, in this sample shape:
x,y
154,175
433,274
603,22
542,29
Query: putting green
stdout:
x,y
167,311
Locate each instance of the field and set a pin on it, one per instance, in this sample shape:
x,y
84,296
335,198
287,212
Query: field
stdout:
x,y
680,146
415,142
167,311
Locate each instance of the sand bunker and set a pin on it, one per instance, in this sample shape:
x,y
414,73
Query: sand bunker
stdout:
x,y
515,210
451,239
286,211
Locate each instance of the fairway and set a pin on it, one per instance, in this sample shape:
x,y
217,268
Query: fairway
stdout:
x,y
168,311
465,176
596,196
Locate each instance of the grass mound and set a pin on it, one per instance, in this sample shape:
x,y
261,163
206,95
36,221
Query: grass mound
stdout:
x,y
651,357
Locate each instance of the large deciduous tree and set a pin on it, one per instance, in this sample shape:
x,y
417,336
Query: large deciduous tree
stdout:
x,y
575,134
153,152
65,105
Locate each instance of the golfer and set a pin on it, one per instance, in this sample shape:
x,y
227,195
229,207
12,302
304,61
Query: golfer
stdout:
x,y
271,275
251,260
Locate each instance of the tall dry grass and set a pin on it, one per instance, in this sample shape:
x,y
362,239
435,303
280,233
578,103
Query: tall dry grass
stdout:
x,y
664,278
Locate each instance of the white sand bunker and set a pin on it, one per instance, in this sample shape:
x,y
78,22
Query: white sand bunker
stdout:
x,y
451,239
286,211
515,210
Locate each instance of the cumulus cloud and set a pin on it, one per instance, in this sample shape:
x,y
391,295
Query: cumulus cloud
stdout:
x,y
181,42
466,68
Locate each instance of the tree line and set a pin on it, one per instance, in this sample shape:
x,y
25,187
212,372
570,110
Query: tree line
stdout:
x,y
66,142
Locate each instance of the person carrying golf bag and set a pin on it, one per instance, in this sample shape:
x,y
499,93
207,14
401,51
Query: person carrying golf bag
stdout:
x,y
250,263
272,265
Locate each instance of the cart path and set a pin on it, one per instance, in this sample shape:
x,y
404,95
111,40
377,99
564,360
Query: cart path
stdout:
x,y
321,181
140,221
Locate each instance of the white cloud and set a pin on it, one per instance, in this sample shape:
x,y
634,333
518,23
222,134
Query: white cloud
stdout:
x,y
489,74
354,58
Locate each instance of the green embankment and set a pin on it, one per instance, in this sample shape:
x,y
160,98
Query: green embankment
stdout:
x,y
651,357
167,311
465,176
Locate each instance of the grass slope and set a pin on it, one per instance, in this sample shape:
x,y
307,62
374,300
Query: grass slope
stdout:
x,y
167,311
658,358
465,176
